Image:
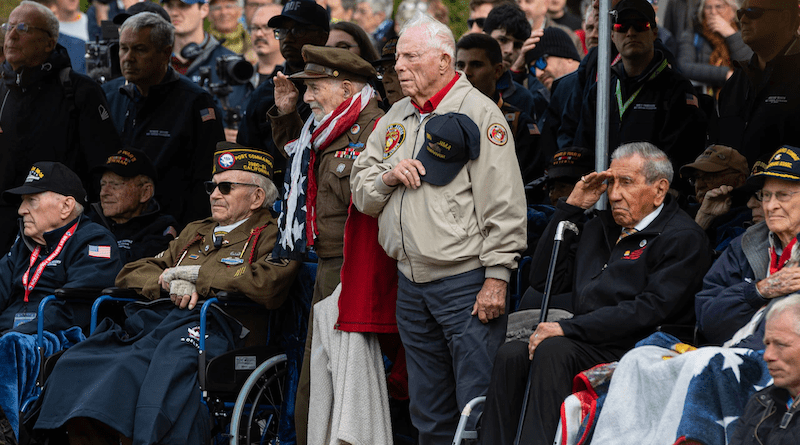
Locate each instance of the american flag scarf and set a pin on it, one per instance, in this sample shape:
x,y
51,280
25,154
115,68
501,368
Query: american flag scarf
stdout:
x,y
297,222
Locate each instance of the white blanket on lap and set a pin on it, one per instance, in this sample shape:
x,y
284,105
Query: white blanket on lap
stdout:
x,y
658,396
349,399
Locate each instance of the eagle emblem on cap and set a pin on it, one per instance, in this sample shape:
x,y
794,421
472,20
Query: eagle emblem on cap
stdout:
x,y
226,160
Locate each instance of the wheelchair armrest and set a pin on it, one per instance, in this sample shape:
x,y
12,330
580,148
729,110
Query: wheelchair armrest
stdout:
x,y
78,293
686,333
120,292
225,296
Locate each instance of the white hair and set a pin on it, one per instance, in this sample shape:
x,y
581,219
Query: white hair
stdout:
x,y
270,191
656,162
50,19
791,303
702,4
438,36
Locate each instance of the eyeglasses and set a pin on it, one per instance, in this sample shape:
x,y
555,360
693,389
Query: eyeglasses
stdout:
x,y
639,26
22,28
282,33
479,22
224,187
113,185
780,196
753,12
264,29
707,177
385,69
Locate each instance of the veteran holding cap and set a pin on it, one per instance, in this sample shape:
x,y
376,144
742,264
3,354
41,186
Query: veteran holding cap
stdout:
x,y
320,153
123,383
57,247
128,208
441,175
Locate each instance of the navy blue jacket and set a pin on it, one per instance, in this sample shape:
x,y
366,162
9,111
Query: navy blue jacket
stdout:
x,y
729,298
73,267
178,126
142,236
622,292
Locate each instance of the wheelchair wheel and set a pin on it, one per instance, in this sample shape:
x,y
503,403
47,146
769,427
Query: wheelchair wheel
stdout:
x,y
257,413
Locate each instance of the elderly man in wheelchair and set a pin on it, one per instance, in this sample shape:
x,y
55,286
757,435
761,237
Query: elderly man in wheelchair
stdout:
x,y
138,383
57,247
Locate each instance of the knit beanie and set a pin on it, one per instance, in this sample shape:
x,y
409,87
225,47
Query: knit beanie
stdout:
x,y
554,42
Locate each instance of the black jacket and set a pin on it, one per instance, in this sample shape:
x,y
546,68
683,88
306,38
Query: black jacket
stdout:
x,y
142,236
665,113
622,292
762,421
76,266
760,110
256,129
177,126
43,118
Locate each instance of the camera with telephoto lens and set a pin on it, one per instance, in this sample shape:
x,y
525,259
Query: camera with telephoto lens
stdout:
x,y
102,56
232,70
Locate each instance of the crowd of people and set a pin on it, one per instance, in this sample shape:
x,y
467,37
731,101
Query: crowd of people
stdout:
x,y
227,142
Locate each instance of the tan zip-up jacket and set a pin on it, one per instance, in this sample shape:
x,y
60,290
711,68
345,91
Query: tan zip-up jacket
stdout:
x,y
477,220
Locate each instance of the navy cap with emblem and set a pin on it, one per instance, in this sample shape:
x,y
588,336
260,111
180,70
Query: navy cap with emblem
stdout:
x,y
128,163
784,164
232,156
304,12
451,140
49,176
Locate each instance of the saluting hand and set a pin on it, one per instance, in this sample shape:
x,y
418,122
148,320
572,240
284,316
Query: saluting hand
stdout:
x,y
589,189
286,94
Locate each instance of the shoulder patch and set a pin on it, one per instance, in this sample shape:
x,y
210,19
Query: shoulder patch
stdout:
x,y
281,262
497,134
395,135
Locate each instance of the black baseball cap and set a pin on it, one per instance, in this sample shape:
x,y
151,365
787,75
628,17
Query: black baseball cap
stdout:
x,y
451,140
629,9
49,176
136,8
571,163
128,163
304,12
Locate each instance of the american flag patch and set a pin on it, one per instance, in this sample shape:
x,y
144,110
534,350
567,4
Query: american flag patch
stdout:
x,y
207,114
100,251
691,99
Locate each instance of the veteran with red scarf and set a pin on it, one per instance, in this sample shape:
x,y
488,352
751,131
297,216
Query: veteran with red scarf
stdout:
x,y
321,153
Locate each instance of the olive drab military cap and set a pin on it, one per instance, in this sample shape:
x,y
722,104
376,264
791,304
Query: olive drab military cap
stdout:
x,y
336,63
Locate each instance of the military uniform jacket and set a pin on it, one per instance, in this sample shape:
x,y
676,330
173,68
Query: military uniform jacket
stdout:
x,y
242,264
178,127
477,220
332,169
89,258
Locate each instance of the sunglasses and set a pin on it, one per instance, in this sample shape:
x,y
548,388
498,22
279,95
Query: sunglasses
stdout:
x,y
753,12
224,187
298,32
479,21
639,26
539,64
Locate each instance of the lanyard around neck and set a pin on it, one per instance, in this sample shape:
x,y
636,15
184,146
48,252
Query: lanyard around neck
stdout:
x,y
623,107
35,255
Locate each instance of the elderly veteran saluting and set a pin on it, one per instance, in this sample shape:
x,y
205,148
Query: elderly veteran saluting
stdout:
x,y
440,173
321,153
633,268
139,381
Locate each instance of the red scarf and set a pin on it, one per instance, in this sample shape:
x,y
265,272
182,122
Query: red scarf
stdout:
x,y
775,263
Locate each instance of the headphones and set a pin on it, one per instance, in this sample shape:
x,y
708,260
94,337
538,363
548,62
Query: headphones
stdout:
x,y
191,51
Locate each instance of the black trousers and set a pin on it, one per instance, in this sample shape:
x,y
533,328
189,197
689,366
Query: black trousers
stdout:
x,y
556,361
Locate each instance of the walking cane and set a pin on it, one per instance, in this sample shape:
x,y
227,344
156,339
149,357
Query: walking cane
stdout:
x,y
562,226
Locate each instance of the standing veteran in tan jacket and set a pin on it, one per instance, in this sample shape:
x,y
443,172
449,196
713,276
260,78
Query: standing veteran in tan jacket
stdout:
x,y
441,175
321,153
